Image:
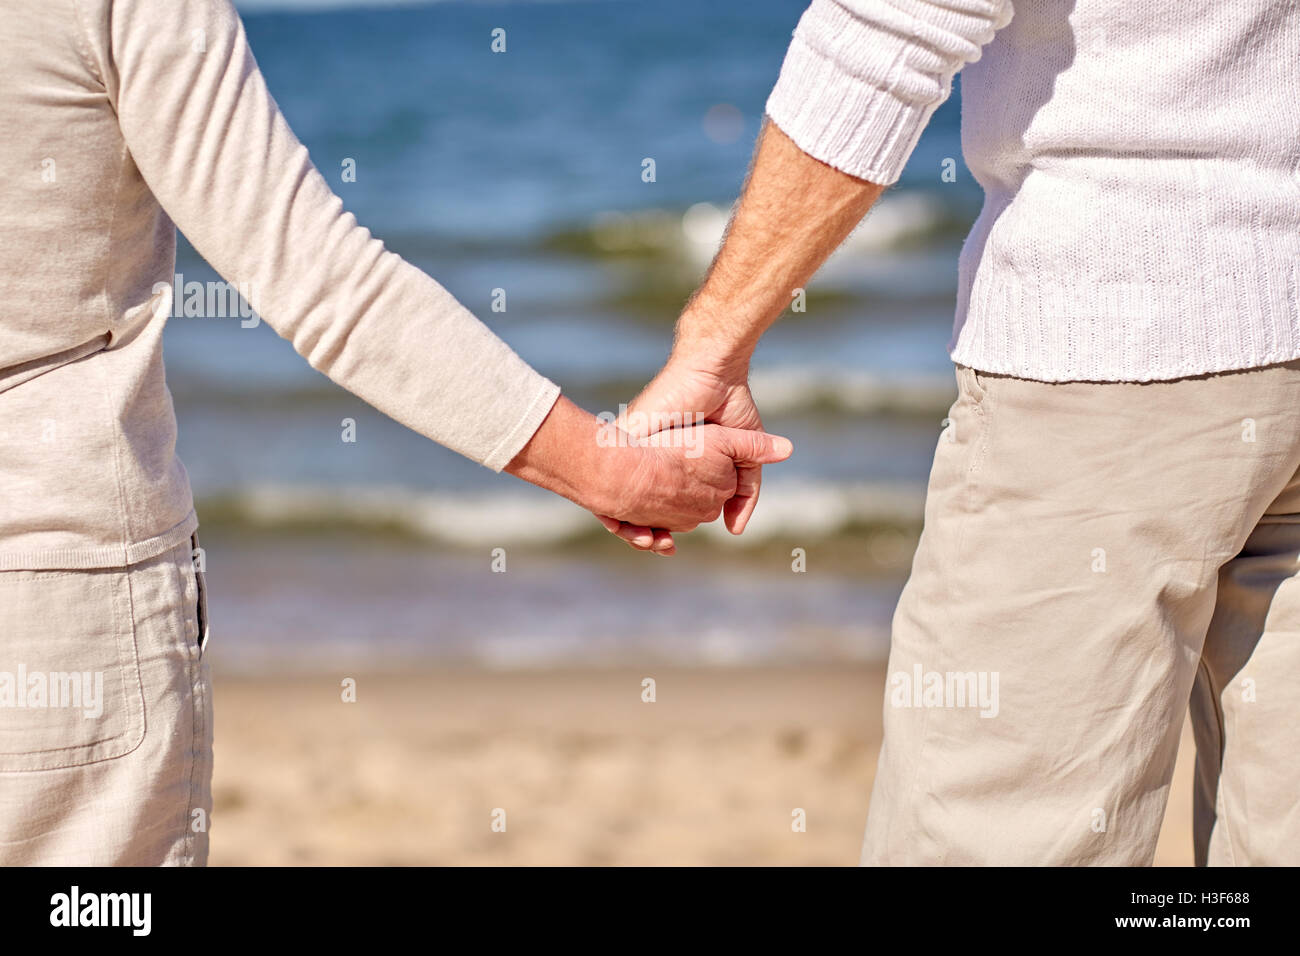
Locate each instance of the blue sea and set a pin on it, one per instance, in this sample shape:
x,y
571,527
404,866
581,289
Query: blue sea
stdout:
x,y
522,170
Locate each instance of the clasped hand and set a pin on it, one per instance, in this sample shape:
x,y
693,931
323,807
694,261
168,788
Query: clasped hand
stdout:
x,y
695,387
648,475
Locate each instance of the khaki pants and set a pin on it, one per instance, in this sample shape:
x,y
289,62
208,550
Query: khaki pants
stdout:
x,y
105,716
1096,558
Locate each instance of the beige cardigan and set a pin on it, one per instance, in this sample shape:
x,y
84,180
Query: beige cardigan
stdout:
x,y
118,118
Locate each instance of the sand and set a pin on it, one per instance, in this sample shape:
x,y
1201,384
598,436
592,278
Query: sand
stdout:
x,y
585,772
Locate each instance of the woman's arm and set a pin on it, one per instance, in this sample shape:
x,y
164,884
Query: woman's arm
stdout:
x,y
216,152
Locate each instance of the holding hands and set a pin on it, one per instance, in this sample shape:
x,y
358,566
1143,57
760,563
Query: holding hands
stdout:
x,y
697,385
646,482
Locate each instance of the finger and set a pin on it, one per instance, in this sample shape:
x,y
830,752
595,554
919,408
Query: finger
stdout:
x,y
660,540
635,420
638,536
736,512
747,447
664,404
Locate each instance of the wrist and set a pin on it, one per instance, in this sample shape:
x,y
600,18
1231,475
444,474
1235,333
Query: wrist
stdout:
x,y
704,343
572,454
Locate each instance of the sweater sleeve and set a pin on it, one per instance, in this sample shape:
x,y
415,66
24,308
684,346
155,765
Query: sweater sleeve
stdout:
x,y
863,77
213,147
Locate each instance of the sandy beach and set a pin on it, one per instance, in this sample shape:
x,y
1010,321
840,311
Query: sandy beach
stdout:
x,y
584,770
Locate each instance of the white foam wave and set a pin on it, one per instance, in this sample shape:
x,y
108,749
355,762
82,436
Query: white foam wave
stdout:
x,y
792,509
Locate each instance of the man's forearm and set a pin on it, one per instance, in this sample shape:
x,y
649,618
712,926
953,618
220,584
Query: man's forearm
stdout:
x,y
794,212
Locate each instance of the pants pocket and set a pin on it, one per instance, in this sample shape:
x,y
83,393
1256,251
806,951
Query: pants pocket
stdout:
x,y
199,588
70,690
971,383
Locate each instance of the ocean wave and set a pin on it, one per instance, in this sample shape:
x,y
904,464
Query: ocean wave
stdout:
x,y
785,389
797,511
899,220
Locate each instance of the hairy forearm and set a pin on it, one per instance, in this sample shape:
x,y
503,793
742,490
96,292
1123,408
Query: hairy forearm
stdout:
x,y
794,212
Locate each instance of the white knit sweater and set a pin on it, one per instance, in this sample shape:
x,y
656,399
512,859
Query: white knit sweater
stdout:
x,y
1140,163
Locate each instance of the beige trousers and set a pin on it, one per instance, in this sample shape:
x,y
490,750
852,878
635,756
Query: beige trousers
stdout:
x,y
105,715
1096,558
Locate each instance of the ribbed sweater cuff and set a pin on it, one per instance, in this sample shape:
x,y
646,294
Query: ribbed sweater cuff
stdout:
x,y
836,116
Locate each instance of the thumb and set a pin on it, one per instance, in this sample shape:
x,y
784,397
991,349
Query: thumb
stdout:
x,y
747,447
656,409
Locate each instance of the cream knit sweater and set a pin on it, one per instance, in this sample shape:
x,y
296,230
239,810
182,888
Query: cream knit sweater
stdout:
x,y
1140,162
118,118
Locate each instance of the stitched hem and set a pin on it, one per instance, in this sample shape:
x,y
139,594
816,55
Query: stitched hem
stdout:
x,y
75,559
525,428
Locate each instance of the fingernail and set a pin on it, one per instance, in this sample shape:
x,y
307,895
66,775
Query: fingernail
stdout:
x,y
783,446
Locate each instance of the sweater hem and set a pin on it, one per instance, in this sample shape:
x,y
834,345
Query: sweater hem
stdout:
x,y
525,428
85,559
1051,374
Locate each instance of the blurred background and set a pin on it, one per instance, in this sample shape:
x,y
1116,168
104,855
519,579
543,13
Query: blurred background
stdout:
x,y
523,691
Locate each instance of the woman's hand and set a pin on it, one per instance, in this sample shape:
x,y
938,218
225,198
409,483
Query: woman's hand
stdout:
x,y
674,480
695,385
685,477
